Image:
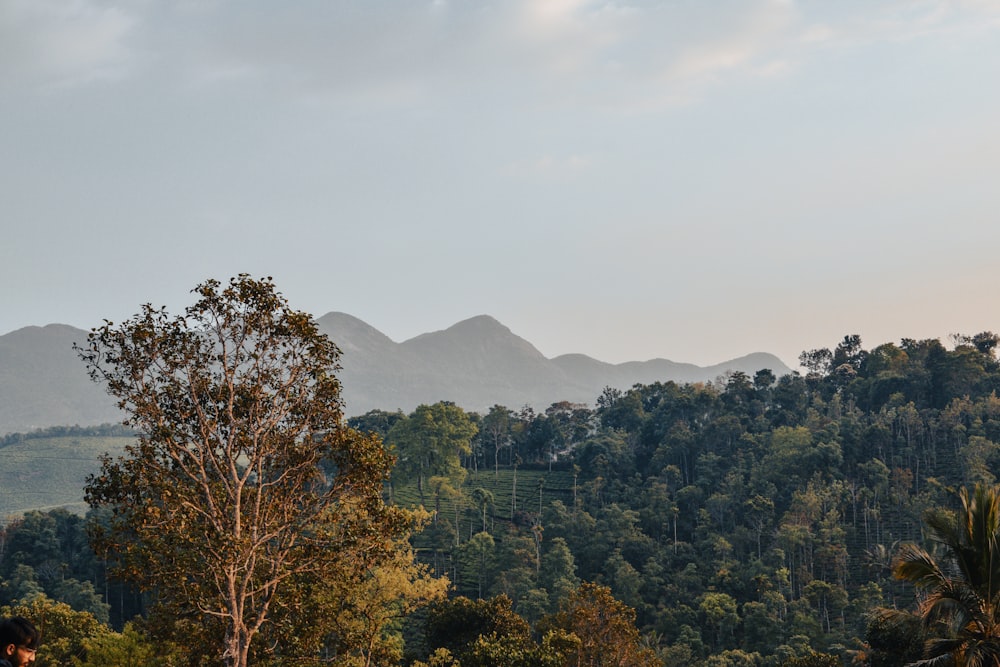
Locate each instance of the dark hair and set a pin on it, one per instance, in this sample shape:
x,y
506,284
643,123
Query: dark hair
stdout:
x,y
20,631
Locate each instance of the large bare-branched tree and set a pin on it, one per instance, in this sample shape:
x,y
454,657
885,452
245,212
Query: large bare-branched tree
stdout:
x,y
245,488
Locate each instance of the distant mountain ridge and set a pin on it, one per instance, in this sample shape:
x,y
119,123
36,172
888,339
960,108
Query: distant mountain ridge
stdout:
x,y
479,362
475,363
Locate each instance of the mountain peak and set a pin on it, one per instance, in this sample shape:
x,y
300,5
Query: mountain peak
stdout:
x,y
480,324
481,336
351,334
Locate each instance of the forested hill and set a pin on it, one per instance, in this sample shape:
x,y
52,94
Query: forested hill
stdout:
x,y
751,520
475,363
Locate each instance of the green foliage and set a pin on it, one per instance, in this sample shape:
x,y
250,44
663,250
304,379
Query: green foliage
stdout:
x,y
480,555
604,627
49,552
441,657
22,584
356,611
737,658
557,573
719,610
129,648
65,632
457,624
812,659
894,639
592,628
430,442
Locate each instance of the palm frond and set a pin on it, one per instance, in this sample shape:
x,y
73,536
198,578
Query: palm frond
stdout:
x,y
983,654
942,660
916,565
960,577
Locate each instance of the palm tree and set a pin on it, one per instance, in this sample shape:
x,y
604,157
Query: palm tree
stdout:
x,y
958,581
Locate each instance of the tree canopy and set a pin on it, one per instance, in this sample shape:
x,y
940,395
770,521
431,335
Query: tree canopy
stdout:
x,y
244,486
748,521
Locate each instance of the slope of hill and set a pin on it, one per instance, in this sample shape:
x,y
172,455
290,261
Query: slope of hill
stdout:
x,y
46,473
479,362
375,371
475,363
44,383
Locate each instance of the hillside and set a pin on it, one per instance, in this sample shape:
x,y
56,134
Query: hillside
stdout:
x,y
43,383
46,473
779,504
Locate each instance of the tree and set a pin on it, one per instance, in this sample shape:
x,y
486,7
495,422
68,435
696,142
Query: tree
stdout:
x,y
719,610
985,342
22,584
495,429
376,421
737,658
360,613
817,362
244,481
759,512
479,550
430,442
456,624
849,352
483,498
605,628
960,580
558,571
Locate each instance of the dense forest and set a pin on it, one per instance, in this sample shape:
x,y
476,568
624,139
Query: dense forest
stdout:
x,y
748,521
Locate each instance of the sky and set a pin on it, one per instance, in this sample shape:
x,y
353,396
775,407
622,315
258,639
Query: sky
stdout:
x,y
684,179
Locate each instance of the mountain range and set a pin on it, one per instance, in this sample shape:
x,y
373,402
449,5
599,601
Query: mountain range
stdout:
x,y
475,363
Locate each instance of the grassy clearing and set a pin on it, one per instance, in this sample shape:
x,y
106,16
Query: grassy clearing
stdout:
x,y
49,473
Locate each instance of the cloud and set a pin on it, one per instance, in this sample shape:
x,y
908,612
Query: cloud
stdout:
x,y
606,55
56,42
566,36
736,42
900,21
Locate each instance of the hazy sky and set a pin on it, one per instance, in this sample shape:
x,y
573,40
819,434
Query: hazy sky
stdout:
x,y
688,179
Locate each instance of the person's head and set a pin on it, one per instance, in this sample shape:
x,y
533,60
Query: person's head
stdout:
x,y
18,641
